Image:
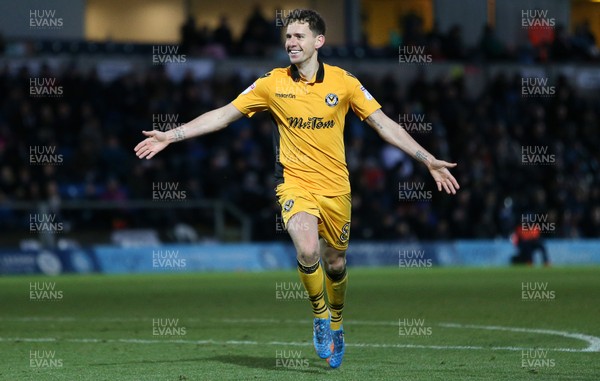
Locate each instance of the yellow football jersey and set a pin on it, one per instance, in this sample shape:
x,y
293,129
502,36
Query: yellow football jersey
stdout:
x,y
310,116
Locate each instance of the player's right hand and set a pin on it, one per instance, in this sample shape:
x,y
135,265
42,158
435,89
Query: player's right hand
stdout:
x,y
155,142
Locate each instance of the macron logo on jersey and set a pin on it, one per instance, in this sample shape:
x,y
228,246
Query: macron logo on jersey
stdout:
x,y
281,95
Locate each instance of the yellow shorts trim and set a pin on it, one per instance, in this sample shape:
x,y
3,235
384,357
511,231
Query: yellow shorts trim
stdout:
x,y
333,212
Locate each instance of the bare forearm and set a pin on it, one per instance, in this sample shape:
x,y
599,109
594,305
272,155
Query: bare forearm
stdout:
x,y
394,134
204,124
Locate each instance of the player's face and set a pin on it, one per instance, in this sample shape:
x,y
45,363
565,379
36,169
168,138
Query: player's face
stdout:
x,y
301,43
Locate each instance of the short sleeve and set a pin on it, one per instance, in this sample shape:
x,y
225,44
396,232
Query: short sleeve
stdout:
x,y
255,98
362,102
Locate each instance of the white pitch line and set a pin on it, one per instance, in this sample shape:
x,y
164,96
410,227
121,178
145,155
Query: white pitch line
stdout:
x,y
593,341
278,343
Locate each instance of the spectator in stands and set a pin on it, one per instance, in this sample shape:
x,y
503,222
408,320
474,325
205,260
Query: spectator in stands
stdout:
x,y
256,32
485,129
528,242
412,28
2,44
584,42
561,45
223,36
203,37
453,46
113,191
434,41
541,38
490,45
189,36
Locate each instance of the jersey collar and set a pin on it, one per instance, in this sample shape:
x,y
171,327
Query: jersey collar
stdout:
x,y
320,72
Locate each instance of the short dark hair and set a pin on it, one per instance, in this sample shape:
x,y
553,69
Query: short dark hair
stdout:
x,y
314,20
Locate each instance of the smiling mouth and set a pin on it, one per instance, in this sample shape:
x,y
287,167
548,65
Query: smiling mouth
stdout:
x,y
293,52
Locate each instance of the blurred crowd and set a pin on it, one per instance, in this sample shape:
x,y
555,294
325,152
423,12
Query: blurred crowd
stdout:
x,y
538,43
262,36
94,127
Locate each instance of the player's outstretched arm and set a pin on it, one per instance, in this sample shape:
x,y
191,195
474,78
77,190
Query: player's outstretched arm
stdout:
x,y
394,134
208,122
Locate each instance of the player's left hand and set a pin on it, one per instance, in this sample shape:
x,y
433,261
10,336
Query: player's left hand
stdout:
x,y
442,176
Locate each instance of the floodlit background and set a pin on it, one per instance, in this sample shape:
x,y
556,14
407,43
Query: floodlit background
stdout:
x,y
507,89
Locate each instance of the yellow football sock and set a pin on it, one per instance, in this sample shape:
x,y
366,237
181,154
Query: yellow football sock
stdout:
x,y
312,279
336,294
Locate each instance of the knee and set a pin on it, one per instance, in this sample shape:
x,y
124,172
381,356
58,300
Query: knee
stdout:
x,y
307,253
336,264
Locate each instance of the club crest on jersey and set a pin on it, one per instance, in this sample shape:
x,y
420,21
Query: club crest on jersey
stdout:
x,y
289,204
331,100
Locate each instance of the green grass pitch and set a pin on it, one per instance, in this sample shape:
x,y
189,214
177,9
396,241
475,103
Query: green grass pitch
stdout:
x,y
401,324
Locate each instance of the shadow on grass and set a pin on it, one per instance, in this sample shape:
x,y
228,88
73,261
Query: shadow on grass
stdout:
x,y
255,362
267,363
200,359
